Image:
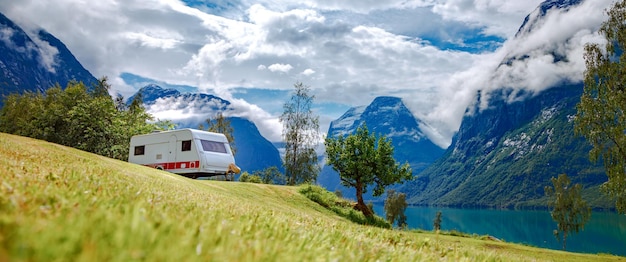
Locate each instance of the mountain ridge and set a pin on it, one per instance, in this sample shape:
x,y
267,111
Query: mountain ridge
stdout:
x,y
35,64
389,117
511,142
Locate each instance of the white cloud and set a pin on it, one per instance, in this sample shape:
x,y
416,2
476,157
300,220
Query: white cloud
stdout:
x,y
532,67
352,60
44,52
498,17
153,40
308,72
285,68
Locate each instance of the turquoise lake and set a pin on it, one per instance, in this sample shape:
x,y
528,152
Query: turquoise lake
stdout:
x,y
604,233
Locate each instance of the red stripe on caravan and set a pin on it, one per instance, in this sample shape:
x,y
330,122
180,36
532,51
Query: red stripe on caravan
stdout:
x,y
176,165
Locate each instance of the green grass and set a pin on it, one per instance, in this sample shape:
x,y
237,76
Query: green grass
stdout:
x,y
61,204
340,206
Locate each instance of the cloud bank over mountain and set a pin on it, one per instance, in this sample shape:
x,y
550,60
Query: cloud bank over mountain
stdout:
x,y
536,59
434,54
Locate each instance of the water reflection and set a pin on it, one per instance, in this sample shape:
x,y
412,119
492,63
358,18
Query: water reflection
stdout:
x,y
604,233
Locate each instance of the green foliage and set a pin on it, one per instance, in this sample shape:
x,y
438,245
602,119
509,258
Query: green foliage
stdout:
x,y
569,210
76,117
340,206
395,205
220,124
301,134
246,177
437,222
271,175
601,114
362,159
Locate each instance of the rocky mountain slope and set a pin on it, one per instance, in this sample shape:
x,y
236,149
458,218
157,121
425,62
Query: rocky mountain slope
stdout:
x,y
35,62
504,154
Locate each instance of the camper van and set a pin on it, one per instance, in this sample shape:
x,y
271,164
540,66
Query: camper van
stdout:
x,y
188,152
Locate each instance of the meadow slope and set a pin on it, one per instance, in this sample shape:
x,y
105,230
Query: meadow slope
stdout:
x,y
58,203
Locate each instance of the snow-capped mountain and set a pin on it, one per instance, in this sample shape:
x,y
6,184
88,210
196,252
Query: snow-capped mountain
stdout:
x,y
389,116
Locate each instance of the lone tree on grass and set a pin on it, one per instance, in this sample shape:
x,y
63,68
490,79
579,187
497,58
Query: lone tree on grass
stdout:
x,y
601,116
361,160
395,205
301,135
570,211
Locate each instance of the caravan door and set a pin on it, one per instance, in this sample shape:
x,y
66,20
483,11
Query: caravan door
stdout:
x,y
171,159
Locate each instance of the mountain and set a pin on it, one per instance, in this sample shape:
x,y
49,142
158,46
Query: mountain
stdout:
x,y
505,154
534,18
386,116
35,62
253,151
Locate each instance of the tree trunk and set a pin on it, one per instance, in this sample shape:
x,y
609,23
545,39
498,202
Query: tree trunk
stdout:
x,y
564,239
360,205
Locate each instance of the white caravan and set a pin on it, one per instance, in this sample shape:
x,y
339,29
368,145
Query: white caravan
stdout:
x,y
188,152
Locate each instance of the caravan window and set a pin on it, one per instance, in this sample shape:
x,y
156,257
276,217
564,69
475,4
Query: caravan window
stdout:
x,y
186,145
140,150
213,146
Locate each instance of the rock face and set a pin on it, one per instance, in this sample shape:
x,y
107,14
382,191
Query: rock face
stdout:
x,y
254,152
35,62
533,18
505,154
386,116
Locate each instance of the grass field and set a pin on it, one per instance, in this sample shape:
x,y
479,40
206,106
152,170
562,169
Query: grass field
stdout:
x,y
61,204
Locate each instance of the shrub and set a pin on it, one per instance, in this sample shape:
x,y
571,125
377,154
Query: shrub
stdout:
x,y
338,193
246,177
271,175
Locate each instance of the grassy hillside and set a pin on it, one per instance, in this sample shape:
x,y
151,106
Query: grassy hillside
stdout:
x,y
58,203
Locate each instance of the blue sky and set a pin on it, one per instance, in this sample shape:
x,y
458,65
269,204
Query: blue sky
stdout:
x,y
434,54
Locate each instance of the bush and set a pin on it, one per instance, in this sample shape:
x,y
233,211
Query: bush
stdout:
x,y
338,193
246,177
271,175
